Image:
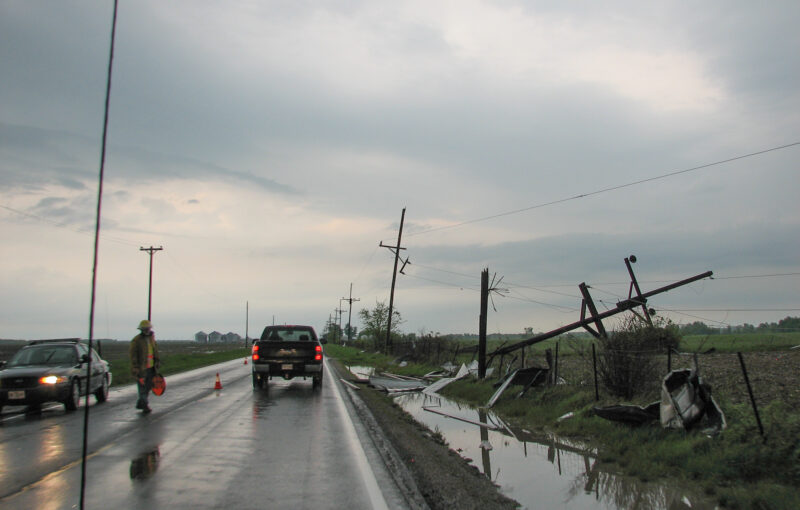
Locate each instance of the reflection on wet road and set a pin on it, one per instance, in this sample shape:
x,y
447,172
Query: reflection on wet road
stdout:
x,y
539,471
200,448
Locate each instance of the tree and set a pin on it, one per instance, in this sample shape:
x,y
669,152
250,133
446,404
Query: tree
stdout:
x,y
374,322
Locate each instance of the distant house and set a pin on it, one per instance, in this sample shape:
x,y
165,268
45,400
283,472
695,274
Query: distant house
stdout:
x,y
201,336
214,337
230,337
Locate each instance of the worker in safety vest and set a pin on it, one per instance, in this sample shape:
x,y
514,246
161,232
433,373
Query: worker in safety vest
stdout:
x,y
144,362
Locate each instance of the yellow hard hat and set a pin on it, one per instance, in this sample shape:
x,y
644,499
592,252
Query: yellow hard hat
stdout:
x,y
145,324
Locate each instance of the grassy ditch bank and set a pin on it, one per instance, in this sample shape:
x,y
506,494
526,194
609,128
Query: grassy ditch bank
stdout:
x,y
738,468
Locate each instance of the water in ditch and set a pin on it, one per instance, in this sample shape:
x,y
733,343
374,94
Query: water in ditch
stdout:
x,y
538,471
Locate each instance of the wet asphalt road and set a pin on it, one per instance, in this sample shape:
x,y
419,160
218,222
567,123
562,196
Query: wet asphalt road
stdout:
x,y
201,448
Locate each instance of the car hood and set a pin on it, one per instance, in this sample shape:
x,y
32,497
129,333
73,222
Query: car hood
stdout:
x,y
32,371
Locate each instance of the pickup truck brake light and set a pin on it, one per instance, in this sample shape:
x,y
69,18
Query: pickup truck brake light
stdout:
x,y
318,355
255,353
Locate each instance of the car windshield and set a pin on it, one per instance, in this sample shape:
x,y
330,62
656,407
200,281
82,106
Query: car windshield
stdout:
x,y
51,355
289,334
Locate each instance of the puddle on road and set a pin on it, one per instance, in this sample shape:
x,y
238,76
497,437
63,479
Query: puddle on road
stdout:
x,y
145,465
540,472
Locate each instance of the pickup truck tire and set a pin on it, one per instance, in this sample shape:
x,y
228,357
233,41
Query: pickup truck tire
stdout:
x,y
317,381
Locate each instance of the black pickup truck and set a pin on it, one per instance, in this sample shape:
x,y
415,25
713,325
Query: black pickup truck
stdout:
x,y
288,352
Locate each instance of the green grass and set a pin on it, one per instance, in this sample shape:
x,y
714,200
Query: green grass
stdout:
x,y
175,357
744,342
175,363
381,362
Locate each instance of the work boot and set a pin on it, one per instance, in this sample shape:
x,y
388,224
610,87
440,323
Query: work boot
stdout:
x,y
139,404
146,409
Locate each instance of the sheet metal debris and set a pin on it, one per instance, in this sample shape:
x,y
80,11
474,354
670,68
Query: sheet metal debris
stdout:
x,y
392,383
489,426
686,401
525,377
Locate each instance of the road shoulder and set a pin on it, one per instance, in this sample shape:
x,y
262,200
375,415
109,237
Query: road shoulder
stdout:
x,y
429,473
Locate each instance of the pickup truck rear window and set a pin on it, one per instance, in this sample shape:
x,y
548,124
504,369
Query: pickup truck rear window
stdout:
x,y
288,335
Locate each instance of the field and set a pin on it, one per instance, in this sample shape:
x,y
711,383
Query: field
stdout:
x,y
176,356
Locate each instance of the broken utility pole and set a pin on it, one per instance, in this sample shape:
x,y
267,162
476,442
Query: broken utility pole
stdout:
x,y
396,251
595,318
482,323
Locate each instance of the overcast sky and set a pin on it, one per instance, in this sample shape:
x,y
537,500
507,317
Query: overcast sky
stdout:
x,y
269,147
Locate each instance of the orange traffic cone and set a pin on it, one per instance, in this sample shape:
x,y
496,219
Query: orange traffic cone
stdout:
x,y
217,385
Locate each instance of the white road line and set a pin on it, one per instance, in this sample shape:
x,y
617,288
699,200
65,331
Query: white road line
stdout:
x,y
373,489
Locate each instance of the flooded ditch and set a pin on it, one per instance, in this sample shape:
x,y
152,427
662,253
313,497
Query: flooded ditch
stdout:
x,y
537,471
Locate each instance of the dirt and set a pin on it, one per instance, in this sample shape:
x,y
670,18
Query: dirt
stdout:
x,y
443,478
773,375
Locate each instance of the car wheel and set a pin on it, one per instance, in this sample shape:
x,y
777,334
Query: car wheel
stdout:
x,y
256,381
74,397
102,392
317,381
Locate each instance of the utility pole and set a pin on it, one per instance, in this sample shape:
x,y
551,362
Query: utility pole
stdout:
x,y
482,323
247,325
339,329
151,250
396,250
349,312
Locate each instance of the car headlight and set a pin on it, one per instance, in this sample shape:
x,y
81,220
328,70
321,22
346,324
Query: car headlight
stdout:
x,y
52,379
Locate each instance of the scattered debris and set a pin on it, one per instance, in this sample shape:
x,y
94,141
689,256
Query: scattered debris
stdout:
x,y
686,400
392,383
630,414
566,416
351,385
441,383
526,377
479,424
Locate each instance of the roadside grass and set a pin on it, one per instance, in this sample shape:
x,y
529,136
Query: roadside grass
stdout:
x,y
352,356
176,357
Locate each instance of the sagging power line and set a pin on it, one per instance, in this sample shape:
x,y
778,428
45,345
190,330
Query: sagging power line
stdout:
x,y
604,190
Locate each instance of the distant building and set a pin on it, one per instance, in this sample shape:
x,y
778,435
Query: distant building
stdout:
x,y
214,337
230,337
201,336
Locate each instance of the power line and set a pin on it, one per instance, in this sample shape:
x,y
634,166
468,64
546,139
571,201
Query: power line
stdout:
x,y
603,190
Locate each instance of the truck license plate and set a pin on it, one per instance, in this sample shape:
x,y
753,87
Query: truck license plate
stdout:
x,y
287,366
16,395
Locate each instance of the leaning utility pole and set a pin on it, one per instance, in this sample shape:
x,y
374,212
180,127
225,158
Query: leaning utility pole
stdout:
x,y
396,250
635,300
151,250
350,312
